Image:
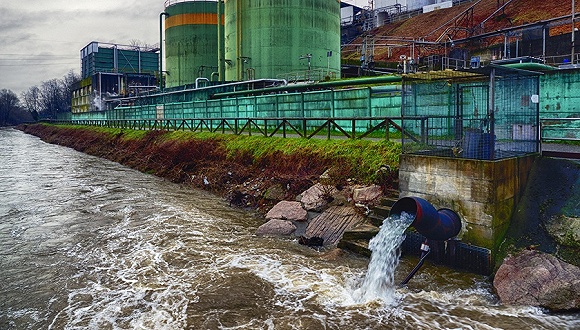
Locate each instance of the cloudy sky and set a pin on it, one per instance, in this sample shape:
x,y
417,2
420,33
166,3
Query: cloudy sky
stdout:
x,y
41,39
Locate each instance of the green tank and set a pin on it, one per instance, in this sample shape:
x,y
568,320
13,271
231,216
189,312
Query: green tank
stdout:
x,y
191,41
286,39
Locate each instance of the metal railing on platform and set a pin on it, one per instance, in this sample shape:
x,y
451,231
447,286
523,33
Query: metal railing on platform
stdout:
x,y
351,128
560,129
560,137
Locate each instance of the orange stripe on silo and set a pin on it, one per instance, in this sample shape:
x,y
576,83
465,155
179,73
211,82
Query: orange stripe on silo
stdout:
x,y
191,19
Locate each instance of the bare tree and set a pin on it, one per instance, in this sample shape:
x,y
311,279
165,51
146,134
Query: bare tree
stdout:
x,y
54,96
31,100
51,99
9,104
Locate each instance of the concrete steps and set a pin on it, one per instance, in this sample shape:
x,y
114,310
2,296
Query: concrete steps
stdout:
x,y
453,253
357,239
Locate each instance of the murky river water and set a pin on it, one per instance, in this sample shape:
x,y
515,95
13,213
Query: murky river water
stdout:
x,y
89,244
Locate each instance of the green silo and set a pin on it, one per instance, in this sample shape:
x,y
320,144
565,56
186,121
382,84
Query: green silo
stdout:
x,y
282,39
191,41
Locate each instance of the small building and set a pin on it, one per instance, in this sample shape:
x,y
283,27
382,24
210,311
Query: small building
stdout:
x,y
112,70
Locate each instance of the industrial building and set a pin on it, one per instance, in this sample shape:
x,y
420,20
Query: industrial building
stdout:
x,y
268,66
247,40
111,71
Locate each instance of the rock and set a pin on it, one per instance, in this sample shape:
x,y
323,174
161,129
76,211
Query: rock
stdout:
x,y
316,197
538,279
565,230
287,210
275,192
312,241
332,255
276,227
367,194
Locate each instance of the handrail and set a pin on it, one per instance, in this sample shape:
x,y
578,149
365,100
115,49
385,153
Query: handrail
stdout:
x,y
560,129
308,127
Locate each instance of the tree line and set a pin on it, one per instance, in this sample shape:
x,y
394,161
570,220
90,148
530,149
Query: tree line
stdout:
x,y
44,101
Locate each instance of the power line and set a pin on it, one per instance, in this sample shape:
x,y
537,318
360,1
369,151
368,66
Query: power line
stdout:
x,y
44,55
39,64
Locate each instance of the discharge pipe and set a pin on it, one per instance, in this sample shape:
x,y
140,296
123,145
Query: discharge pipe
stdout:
x,y
436,225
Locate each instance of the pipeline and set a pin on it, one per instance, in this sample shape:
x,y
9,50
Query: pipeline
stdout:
x,y
437,225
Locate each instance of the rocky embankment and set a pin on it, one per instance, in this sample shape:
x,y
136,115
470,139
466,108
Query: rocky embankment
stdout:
x,y
244,180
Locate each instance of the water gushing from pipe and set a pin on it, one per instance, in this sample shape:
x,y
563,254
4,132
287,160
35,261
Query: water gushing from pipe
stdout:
x,y
379,280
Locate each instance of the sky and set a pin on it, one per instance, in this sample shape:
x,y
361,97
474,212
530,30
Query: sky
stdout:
x,y
41,40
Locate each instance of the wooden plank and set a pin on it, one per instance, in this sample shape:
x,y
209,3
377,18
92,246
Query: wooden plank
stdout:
x,y
332,223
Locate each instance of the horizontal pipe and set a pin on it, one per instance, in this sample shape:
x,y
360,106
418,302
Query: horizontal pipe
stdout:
x,y
322,85
437,225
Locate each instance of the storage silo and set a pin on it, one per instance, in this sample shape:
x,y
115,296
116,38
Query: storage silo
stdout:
x,y
191,40
282,39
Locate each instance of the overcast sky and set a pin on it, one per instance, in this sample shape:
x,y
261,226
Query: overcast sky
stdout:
x,y
41,39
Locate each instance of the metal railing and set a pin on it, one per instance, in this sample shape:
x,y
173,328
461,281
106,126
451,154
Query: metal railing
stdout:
x,y
560,129
351,128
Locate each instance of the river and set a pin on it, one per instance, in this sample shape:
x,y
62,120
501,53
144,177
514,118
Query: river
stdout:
x,y
86,243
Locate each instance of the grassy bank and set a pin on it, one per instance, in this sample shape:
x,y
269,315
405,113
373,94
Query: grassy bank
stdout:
x,y
247,170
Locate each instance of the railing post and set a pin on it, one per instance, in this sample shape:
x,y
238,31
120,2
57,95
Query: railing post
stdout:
x,y
328,129
423,138
353,129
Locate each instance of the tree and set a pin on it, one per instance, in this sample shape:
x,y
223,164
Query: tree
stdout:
x,y
9,104
50,98
31,101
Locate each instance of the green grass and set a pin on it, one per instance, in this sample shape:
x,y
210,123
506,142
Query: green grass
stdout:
x,y
363,156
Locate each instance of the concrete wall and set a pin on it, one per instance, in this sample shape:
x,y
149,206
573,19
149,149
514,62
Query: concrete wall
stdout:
x,y
483,193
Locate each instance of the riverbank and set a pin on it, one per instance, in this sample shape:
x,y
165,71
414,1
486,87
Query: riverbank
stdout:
x,y
257,172
248,171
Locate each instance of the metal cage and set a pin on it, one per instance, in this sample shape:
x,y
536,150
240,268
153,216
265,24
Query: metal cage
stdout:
x,y
486,114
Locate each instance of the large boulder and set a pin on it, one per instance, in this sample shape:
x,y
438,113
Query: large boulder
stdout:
x,y
538,279
276,227
316,197
367,195
287,210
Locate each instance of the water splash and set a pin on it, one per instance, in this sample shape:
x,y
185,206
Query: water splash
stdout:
x,y
378,283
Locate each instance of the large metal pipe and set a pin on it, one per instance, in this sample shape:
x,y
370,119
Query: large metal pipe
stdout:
x,y
437,225
161,48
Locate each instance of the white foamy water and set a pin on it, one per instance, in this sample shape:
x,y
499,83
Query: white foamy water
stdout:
x,y
89,244
379,281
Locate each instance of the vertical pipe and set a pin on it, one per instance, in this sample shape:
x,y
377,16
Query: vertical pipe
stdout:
x,y
115,59
238,40
221,41
161,48
505,41
544,43
573,30
490,112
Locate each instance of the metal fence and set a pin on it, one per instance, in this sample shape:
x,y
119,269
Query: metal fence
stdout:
x,y
472,115
388,128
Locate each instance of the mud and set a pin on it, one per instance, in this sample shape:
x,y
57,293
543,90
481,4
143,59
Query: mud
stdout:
x,y
244,181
